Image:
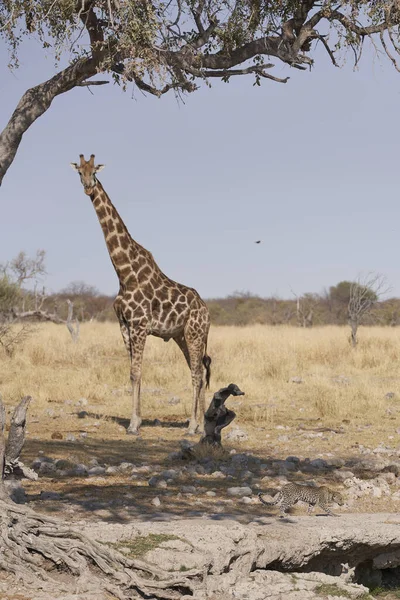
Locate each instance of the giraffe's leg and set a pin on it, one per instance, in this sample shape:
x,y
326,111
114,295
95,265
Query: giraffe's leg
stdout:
x,y
137,342
125,335
196,352
181,342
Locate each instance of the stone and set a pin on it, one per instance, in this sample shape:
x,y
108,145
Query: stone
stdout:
x,y
295,380
156,501
237,435
174,400
126,466
170,474
342,475
47,468
96,470
239,491
64,464
246,500
70,437
218,475
188,489
80,470
292,459
318,463
211,494
390,395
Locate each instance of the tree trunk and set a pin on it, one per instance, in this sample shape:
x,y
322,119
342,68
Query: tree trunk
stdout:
x,y
35,548
35,102
354,328
218,416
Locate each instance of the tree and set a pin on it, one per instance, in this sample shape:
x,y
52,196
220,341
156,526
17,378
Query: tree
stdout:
x,y
364,293
162,46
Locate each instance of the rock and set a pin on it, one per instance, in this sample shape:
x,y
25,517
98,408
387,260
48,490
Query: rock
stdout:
x,y
318,463
47,468
310,558
335,462
188,489
174,400
246,500
170,474
80,470
390,395
292,459
56,435
343,474
64,465
156,501
218,475
70,438
157,482
82,402
283,438
96,470
239,491
112,470
237,435
211,494
295,380
126,466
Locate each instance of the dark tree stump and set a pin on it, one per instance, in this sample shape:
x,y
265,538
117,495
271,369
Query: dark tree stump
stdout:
x,y
218,416
35,547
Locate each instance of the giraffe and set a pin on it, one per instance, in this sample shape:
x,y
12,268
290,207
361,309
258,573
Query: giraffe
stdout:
x,y
149,303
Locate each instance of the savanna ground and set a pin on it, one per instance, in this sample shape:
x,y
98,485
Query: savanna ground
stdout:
x,y
308,394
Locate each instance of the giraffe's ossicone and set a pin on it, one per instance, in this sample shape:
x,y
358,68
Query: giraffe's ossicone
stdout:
x,y
148,302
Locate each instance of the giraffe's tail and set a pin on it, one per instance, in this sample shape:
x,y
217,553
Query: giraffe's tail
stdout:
x,y
207,366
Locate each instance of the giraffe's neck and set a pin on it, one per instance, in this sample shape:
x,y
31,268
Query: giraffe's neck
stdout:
x,y
123,250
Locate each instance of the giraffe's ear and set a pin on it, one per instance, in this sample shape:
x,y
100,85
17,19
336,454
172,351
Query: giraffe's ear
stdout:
x,y
99,168
74,166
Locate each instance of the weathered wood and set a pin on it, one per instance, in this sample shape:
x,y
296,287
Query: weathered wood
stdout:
x,y
218,416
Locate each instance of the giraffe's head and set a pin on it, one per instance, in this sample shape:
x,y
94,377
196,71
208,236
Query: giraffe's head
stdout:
x,y
87,171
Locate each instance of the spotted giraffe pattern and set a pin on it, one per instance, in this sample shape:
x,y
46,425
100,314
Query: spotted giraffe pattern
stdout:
x,y
148,302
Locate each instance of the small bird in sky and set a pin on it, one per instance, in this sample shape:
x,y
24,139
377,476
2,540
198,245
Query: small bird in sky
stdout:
x,y
258,242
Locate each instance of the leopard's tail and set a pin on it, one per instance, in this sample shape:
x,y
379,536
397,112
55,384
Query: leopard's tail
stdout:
x,y
275,500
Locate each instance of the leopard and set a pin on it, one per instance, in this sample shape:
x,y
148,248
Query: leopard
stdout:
x,y
292,493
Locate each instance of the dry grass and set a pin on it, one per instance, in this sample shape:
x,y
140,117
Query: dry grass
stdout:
x,y
339,405
338,382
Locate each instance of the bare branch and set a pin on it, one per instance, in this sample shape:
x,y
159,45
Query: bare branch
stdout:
x,y
94,82
327,48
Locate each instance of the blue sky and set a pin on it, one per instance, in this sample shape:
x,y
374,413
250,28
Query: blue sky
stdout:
x,y
310,168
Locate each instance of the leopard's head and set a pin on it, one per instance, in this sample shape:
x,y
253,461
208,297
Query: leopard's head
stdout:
x,y
338,498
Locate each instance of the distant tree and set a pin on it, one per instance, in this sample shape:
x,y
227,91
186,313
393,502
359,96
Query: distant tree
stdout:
x,y
80,288
364,293
177,45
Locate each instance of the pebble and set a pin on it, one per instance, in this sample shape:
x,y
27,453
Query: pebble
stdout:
x,y
239,491
156,501
96,470
237,435
188,489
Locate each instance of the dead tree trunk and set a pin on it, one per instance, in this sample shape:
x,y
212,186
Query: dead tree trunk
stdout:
x,y
218,416
35,547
